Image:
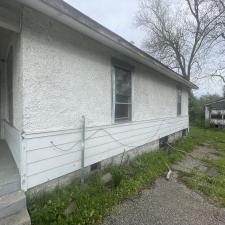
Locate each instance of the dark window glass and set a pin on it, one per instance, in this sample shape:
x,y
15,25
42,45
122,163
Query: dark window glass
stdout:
x,y
122,99
216,116
179,101
122,94
122,112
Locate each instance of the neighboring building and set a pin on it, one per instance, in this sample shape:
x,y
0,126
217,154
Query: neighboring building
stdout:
x,y
215,113
58,65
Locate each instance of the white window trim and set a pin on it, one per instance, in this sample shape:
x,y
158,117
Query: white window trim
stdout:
x,y
114,65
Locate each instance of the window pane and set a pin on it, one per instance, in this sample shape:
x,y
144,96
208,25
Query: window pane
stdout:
x,y
179,98
122,112
179,101
122,99
122,94
178,108
217,116
123,85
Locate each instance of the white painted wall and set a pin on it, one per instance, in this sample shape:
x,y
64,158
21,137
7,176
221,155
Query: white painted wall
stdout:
x,y
207,113
67,75
217,121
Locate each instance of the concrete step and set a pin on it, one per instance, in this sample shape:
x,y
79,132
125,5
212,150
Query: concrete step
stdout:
x,y
20,218
12,203
9,186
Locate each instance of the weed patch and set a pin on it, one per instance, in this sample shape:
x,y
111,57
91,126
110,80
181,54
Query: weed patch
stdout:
x,y
212,186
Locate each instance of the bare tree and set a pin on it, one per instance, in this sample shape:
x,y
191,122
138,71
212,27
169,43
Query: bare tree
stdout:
x,y
181,37
218,34
218,39
220,4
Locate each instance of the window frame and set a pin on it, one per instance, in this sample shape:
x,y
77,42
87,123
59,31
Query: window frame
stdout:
x,y
218,116
179,100
128,68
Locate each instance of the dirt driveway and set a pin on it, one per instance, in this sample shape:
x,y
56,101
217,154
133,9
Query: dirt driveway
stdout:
x,y
171,202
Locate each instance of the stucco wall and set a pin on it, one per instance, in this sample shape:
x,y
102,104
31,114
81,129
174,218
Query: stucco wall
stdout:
x,y
155,96
67,75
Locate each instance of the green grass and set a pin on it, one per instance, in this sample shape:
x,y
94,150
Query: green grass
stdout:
x,y
212,186
94,200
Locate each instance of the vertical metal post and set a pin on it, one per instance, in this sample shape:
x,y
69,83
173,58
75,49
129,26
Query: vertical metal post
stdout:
x,y
82,150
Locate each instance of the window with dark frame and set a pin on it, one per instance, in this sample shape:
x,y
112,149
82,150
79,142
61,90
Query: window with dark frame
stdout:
x,y
122,94
179,101
218,116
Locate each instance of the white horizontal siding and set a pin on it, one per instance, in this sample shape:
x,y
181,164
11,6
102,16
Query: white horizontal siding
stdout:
x,y
42,141
46,162
47,175
217,121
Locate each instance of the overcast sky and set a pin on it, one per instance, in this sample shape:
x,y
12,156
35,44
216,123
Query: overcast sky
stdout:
x,y
119,16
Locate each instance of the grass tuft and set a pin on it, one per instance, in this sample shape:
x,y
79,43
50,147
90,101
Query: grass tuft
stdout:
x,y
212,186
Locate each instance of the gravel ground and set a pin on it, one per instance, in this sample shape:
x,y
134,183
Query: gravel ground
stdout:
x,y
169,202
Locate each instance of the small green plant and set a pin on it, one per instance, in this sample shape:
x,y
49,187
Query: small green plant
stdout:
x,y
117,175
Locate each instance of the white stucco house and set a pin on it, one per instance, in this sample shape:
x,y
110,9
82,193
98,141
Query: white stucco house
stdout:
x,y
58,65
215,113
